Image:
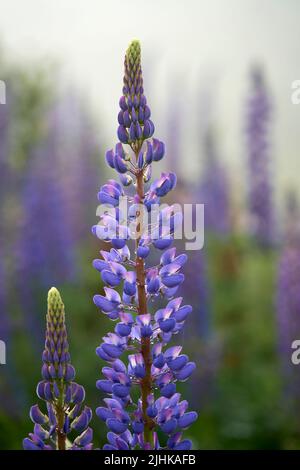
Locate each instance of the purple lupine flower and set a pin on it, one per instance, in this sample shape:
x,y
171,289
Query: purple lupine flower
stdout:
x,y
5,116
288,299
5,333
174,130
63,412
43,209
34,248
11,389
4,143
201,336
76,159
260,188
214,191
200,297
153,366
4,323
5,111
44,227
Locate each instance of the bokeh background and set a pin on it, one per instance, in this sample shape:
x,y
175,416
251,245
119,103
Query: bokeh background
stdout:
x,y
218,76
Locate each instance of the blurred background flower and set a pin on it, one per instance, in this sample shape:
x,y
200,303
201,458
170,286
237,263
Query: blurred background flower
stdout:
x,y
232,135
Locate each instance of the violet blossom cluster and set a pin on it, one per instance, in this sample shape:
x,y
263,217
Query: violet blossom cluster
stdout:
x,y
64,424
149,362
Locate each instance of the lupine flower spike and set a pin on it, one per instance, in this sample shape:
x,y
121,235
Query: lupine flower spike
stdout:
x,y
288,300
64,423
214,190
152,365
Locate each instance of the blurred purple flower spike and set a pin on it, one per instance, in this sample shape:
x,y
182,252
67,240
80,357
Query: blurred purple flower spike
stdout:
x,y
62,396
260,187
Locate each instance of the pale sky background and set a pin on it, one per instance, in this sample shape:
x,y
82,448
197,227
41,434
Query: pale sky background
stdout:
x,y
186,44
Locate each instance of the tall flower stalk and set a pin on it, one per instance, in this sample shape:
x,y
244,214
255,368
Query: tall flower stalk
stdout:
x,y
153,369
65,416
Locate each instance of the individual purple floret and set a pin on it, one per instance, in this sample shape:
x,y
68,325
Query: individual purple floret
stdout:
x,y
152,364
64,423
260,190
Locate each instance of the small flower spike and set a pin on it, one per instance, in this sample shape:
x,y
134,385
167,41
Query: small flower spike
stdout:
x,y
63,422
137,352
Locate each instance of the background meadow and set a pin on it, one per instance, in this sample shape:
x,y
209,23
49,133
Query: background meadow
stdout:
x,y
218,78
